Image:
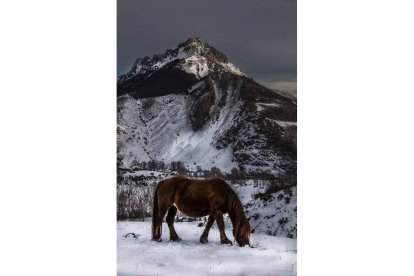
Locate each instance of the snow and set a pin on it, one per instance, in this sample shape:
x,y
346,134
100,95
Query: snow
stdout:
x,y
147,173
196,86
163,62
283,123
262,106
141,256
245,192
196,65
232,68
166,128
274,214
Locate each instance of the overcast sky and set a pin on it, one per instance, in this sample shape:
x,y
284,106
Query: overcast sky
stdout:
x,y
257,36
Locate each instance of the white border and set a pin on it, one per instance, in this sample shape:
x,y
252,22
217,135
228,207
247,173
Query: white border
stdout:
x,y
355,112
58,144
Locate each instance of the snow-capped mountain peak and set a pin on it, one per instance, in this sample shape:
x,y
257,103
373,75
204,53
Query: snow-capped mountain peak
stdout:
x,y
193,56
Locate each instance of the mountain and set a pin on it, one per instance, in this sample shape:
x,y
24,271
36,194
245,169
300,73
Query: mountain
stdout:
x,y
190,104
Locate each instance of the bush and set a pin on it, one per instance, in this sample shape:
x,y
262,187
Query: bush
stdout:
x,y
263,196
288,191
134,201
282,182
283,220
256,216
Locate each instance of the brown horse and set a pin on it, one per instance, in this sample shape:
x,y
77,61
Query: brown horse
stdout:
x,y
198,198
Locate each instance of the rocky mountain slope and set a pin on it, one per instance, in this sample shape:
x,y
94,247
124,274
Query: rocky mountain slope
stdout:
x,y
192,105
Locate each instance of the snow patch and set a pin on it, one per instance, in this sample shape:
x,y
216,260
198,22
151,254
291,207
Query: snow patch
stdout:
x,y
232,68
141,256
283,123
262,106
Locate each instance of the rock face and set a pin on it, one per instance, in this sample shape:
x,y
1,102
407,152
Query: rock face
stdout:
x,y
192,105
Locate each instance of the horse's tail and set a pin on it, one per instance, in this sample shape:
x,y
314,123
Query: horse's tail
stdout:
x,y
155,210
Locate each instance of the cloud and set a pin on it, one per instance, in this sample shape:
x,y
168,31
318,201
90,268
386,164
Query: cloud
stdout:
x,y
257,36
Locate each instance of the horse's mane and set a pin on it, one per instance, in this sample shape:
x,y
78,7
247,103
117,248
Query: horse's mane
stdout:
x,y
241,225
234,206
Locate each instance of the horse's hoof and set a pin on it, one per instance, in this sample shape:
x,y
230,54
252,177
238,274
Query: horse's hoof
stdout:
x,y
157,240
203,240
226,242
176,239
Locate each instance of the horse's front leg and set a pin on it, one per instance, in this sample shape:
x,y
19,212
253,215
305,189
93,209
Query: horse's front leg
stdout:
x,y
218,214
170,221
204,236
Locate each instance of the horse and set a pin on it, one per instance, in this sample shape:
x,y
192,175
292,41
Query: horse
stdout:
x,y
199,198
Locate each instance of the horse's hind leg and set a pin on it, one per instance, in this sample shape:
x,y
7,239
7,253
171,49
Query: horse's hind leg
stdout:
x,y
204,236
172,211
158,224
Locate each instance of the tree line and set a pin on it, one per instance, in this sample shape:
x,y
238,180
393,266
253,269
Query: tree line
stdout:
x,y
198,171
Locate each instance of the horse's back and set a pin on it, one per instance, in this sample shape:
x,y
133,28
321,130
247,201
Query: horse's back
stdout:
x,y
198,186
192,196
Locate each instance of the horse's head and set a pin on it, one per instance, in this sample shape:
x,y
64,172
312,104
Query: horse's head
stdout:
x,y
242,233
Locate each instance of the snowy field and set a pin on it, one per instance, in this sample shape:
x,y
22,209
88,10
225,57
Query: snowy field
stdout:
x,y
138,255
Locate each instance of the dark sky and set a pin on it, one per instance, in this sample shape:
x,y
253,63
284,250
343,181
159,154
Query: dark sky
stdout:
x,y
257,36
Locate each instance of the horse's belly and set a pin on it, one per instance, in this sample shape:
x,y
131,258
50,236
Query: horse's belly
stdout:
x,y
194,208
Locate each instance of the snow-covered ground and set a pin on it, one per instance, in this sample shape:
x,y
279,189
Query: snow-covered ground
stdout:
x,y
140,256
